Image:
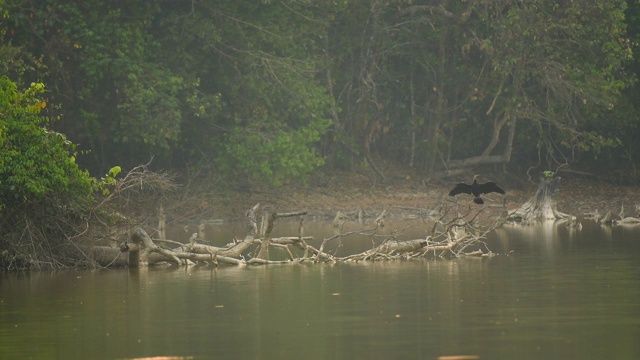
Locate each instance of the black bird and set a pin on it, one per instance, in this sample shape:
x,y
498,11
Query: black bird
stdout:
x,y
476,189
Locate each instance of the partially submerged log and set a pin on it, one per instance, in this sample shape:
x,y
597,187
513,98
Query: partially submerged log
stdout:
x,y
450,235
629,220
620,219
107,256
542,205
143,251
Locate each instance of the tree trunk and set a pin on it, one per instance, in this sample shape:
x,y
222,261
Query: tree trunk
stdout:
x,y
439,118
541,206
454,166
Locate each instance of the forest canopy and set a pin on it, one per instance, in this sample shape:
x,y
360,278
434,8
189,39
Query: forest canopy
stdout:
x,y
272,90
239,92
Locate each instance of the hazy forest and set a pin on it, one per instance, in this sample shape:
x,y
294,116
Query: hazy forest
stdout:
x,y
272,91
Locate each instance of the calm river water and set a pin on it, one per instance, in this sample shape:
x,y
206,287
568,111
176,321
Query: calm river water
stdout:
x,y
549,294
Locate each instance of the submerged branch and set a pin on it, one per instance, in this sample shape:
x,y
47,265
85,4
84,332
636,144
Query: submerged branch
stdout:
x,y
449,235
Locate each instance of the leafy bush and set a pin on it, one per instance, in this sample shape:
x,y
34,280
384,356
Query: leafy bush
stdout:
x,y
34,161
45,199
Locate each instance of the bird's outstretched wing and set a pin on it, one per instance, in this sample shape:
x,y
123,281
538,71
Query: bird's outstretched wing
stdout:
x,y
490,187
461,188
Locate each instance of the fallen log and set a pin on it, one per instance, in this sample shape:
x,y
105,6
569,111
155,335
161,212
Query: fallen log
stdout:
x,y
107,256
457,233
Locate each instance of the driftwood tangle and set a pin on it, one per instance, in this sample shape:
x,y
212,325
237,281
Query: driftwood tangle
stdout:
x,y
451,231
447,236
610,218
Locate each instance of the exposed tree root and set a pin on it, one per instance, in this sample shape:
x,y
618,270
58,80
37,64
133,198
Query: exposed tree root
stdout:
x,y
540,206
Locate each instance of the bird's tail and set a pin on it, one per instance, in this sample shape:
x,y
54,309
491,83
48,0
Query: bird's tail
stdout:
x,y
478,200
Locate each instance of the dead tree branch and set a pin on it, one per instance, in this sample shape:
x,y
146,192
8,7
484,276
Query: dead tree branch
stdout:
x,y
449,236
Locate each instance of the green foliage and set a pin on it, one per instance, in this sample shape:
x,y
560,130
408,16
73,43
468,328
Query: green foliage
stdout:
x,y
122,101
240,84
257,105
254,155
568,67
35,162
166,79
152,116
114,171
109,180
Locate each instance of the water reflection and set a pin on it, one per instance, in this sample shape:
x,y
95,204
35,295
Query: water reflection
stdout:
x,y
556,295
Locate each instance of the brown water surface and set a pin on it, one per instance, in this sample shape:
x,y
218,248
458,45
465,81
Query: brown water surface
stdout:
x,y
558,294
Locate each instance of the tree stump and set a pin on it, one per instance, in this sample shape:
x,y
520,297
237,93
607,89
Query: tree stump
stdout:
x,y
542,205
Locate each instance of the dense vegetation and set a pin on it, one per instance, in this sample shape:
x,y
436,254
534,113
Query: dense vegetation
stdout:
x,y
272,90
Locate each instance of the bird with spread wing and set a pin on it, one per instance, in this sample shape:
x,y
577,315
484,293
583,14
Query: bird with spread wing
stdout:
x,y
476,189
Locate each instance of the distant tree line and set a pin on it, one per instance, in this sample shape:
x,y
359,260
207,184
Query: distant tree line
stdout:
x,y
274,89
